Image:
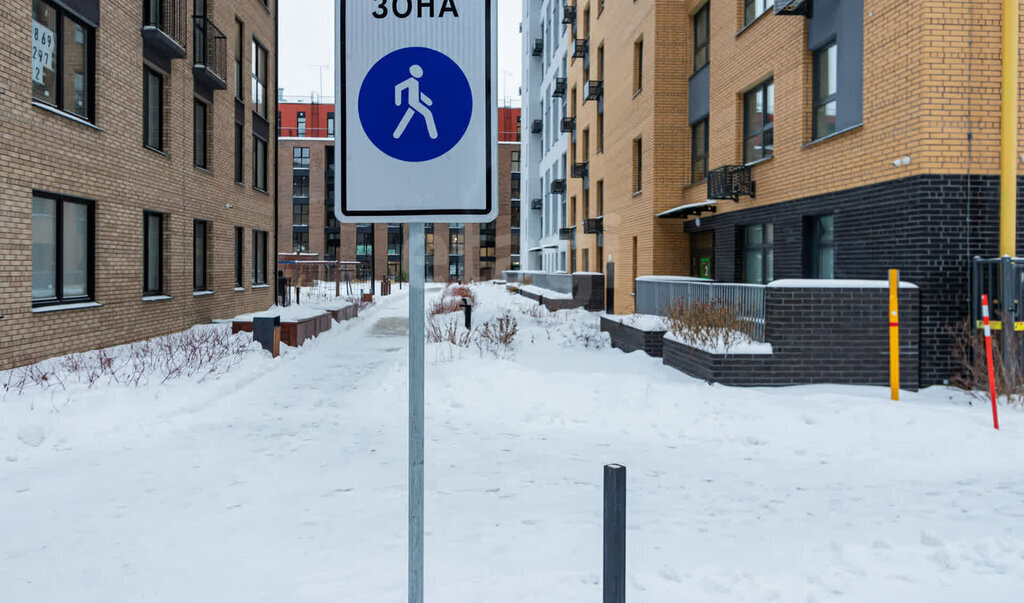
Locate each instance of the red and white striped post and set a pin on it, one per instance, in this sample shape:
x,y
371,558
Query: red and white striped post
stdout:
x,y
988,355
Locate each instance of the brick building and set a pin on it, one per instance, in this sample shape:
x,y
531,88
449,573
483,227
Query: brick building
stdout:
x,y
306,222
845,133
137,179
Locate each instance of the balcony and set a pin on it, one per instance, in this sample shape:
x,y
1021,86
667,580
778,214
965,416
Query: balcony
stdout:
x,y
537,126
536,204
209,54
729,182
559,89
793,7
538,47
165,27
593,226
558,186
579,170
593,90
566,234
568,124
579,48
568,14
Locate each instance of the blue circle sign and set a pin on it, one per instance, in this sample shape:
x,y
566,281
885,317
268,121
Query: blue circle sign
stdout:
x,y
415,104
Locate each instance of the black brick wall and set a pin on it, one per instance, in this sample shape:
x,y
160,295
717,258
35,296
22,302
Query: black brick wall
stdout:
x,y
918,224
629,339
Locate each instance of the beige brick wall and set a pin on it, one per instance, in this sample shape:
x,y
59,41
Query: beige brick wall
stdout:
x,y
44,151
922,75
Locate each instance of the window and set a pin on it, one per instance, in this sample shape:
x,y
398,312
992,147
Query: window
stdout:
x,y
600,132
62,249
701,35
586,260
700,150
758,254
752,9
62,60
515,160
394,240
259,163
239,50
300,158
330,124
239,152
758,122
200,247
199,124
152,109
259,257
239,243
364,242
300,214
516,189
259,78
456,240
600,198
638,65
638,167
300,123
819,247
825,87
152,253
300,185
300,241
572,210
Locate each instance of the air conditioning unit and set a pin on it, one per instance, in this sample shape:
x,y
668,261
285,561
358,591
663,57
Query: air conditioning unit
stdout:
x,y
793,7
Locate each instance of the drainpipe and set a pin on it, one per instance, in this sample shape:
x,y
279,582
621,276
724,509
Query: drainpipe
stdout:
x,y
1008,159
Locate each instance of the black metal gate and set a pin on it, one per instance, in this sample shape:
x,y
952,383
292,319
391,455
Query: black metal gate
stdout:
x,y
1002,279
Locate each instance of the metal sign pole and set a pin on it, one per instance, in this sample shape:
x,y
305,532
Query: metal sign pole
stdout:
x,y
416,343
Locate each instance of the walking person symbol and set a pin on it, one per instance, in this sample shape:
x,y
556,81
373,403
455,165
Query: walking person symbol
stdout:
x,y
418,103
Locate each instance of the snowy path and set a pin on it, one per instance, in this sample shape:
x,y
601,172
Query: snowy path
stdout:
x,y
285,481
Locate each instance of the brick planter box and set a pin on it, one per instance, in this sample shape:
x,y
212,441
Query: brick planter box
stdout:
x,y
728,369
630,339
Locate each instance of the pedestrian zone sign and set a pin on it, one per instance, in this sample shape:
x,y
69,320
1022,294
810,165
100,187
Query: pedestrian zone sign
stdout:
x,y
416,97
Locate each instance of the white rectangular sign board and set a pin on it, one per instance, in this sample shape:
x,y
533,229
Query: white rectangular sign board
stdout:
x,y
416,96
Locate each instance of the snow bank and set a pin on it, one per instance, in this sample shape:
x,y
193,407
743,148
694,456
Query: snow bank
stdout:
x,y
741,345
292,313
547,293
643,322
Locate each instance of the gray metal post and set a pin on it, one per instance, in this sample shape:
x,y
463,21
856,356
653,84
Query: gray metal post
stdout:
x,y
1008,302
614,534
416,339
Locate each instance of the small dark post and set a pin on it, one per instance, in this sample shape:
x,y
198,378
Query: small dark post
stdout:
x,y
614,534
467,309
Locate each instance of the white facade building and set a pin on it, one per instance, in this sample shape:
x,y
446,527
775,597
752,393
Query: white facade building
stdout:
x,y
545,146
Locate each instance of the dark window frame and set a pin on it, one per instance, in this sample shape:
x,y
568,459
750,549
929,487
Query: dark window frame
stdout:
x,y
815,243
300,124
201,280
766,129
330,124
58,297
701,48
257,164
300,210
200,135
300,158
259,257
260,57
638,165
62,15
239,257
766,248
696,156
822,101
750,10
300,185
239,152
146,234
148,71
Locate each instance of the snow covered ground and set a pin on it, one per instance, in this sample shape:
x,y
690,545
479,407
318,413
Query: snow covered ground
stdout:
x,y
285,480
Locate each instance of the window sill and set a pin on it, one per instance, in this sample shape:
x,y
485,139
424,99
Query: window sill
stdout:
x,y
261,286
638,193
751,24
156,298
155,150
759,161
201,169
636,93
62,307
67,115
239,289
201,293
260,190
832,135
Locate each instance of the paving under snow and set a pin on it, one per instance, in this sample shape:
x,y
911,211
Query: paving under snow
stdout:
x,y
285,480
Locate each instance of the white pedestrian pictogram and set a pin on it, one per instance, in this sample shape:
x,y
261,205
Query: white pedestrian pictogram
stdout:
x,y
418,103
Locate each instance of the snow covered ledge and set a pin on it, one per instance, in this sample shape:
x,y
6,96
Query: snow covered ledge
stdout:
x,y
817,283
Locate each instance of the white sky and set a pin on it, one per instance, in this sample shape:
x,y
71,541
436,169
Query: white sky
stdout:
x,y
307,47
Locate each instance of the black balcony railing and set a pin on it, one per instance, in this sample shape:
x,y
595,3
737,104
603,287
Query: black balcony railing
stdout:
x,y
579,48
558,186
579,170
209,53
569,14
730,182
165,27
538,47
537,126
566,234
559,90
593,226
536,204
568,124
592,90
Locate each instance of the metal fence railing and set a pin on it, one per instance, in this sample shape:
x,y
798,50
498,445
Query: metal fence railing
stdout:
x,y
169,16
210,47
657,294
553,281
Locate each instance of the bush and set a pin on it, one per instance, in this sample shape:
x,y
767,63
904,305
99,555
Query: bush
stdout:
x,y
970,356
496,336
708,325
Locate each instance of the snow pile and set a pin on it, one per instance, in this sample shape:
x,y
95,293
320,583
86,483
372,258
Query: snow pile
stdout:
x,y
642,322
734,343
292,313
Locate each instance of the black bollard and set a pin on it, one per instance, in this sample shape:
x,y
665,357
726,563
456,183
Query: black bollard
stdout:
x,y
467,309
614,534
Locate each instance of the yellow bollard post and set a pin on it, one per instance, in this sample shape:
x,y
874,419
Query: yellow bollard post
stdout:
x,y
1008,153
894,333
